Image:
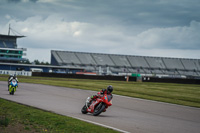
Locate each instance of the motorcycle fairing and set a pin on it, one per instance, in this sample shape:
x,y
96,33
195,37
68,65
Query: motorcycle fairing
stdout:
x,y
13,83
93,105
107,99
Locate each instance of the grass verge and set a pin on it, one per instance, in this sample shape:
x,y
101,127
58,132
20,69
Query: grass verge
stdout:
x,y
20,118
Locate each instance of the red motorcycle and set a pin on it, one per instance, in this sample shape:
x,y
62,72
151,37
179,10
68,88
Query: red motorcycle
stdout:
x,y
98,105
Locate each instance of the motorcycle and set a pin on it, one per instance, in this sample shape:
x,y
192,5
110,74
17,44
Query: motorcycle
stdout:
x,y
13,86
98,105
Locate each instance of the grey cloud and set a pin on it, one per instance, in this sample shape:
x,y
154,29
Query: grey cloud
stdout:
x,y
153,13
105,25
16,1
186,37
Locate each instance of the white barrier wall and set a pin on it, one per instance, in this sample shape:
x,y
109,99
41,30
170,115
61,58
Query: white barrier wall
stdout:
x,y
23,73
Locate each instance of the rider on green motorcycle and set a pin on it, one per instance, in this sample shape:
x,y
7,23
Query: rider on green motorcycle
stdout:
x,y
11,77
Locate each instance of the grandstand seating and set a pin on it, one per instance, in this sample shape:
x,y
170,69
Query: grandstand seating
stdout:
x,y
103,60
117,69
131,70
120,60
138,61
89,68
155,62
188,64
197,64
147,71
188,73
157,71
134,70
198,73
171,72
69,58
95,62
55,59
173,63
86,58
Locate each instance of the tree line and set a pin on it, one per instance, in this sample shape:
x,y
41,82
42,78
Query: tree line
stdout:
x,y
36,62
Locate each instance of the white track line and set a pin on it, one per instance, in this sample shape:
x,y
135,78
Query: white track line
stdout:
x,y
116,129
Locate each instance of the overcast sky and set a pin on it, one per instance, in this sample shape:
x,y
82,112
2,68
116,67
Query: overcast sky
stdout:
x,y
166,28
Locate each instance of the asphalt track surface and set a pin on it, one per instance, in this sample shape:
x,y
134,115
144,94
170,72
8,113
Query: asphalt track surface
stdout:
x,y
125,115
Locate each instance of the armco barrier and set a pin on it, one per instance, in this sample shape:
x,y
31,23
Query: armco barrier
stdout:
x,y
23,73
118,78
171,80
97,77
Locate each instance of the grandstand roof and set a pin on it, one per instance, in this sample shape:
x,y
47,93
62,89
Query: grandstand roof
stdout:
x,y
11,36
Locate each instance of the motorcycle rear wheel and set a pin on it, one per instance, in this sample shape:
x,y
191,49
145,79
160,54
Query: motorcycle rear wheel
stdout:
x,y
84,109
99,108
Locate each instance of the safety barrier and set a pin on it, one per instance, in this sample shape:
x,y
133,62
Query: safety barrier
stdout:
x,y
119,78
23,73
171,80
79,76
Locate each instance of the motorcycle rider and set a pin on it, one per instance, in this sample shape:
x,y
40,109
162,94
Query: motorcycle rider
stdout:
x,y
9,80
107,91
11,77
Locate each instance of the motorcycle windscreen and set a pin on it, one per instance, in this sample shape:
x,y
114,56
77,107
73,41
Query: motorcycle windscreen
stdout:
x,y
14,82
109,98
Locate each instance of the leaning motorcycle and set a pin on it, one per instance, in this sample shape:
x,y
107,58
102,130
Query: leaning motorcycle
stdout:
x,y
97,106
13,86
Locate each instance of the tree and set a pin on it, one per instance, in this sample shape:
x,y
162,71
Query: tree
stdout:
x,y
37,62
25,62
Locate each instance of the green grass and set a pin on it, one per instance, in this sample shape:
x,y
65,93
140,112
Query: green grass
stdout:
x,y
183,94
42,121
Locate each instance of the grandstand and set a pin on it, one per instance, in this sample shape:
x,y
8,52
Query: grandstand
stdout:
x,y
114,64
8,49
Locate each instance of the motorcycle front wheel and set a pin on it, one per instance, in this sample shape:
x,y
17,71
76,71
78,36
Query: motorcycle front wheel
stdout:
x,y
99,108
12,92
84,109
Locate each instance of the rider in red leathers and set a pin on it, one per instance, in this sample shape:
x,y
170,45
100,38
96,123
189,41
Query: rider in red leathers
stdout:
x,y
107,91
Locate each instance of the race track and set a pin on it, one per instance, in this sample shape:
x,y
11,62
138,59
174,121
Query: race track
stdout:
x,y
126,115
